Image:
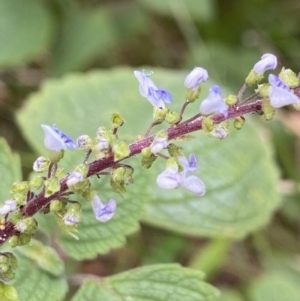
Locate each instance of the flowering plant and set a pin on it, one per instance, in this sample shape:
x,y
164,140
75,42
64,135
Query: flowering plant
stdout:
x,y
73,197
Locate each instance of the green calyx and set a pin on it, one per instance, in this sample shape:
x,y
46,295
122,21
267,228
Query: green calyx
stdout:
x,y
82,187
55,157
173,117
147,157
239,122
120,177
253,79
231,100
36,183
268,110
159,114
289,78
20,187
192,95
207,124
116,120
8,266
52,186
121,150
27,225
174,150
263,90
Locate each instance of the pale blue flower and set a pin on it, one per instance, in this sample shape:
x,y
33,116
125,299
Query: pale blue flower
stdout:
x,y
280,94
103,213
214,103
41,164
157,97
74,178
55,140
71,220
171,177
8,206
267,62
197,76
158,145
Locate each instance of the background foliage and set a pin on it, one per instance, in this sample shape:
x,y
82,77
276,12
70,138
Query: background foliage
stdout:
x,y
248,176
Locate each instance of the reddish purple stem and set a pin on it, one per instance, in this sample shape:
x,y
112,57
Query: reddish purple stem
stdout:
x,y
40,201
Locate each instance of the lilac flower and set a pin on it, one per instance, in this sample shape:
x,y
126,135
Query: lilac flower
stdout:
x,y
74,178
103,213
55,140
8,206
171,178
81,142
214,103
268,61
158,145
71,220
280,94
197,76
41,164
157,97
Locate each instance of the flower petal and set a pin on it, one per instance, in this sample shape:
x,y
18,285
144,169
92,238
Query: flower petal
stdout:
x,y
103,213
280,94
194,185
168,179
55,140
267,62
197,76
214,103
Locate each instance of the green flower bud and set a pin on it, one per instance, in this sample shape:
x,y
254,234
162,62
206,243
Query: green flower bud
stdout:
x,y
36,183
116,120
20,187
263,90
239,122
82,187
268,110
27,225
146,152
55,157
174,150
173,117
20,198
289,78
82,168
159,114
207,124
73,215
52,186
252,79
56,206
24,239
231,100
14,241
106,133
192,95
60,173
121,150
89,194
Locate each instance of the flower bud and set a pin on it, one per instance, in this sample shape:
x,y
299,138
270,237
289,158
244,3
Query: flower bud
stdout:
x,y
56,206
41,164
159,114
73,215
268,109
239,122
83,143
27,225
159,142
173,117
36,183
51,186
121,150
192,82
289,78
231,100
116,120
174,150
8,206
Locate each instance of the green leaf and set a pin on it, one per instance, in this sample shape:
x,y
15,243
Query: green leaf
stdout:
x,y
85,35
10,169
274,287
25,31
35,282
45,257
203,10
239,172
151,283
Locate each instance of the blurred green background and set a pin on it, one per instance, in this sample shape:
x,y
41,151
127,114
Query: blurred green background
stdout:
x,y
51,38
